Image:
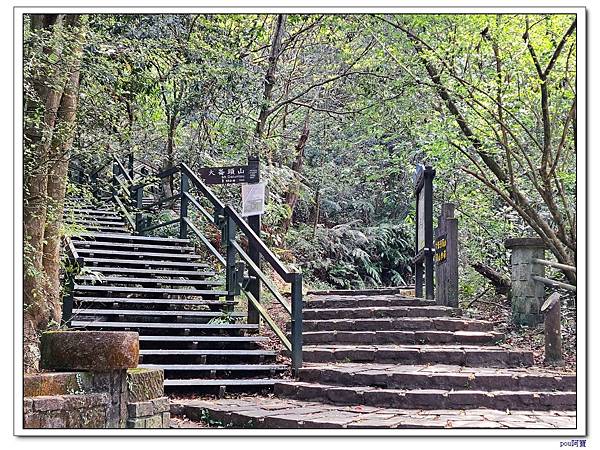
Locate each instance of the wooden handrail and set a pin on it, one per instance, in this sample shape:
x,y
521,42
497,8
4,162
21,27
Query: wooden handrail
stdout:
x,y
554,264
199,207
553,283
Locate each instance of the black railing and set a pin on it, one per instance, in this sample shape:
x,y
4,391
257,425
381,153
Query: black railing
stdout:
x,y
243,273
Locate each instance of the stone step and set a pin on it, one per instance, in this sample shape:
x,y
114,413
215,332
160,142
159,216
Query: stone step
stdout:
x,y
438,376
379,312
272,412
461,355
362,301
401,337
427,398
398,324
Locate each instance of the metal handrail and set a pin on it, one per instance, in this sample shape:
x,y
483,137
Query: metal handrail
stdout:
x,y
230,221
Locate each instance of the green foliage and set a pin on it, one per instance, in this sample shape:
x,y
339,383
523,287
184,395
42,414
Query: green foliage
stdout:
x,y
354,257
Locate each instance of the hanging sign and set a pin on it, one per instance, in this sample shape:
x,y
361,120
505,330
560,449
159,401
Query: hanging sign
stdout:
x,y
253,199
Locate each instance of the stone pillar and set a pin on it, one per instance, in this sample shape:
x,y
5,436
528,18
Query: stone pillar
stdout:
x,y
527,295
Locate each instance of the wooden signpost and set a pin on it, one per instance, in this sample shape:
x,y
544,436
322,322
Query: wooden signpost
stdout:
x,y
424,250
446,258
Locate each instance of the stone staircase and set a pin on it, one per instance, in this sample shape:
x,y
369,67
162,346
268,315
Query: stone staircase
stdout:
x,y
162,289
394,362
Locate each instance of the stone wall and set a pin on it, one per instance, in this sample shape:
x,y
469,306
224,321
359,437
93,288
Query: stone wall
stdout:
x,y
114,399
146,405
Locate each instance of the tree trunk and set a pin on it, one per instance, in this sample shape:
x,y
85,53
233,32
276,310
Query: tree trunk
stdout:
x,y
291,197
38,138
276,44
57,178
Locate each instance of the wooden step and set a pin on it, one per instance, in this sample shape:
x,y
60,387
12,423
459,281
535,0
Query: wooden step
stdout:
x,y
95,222
200,352
133,238
179,326
215,367
157,271
137,280
230,382
145,262
153,301
140,290
118,253
80,243
145,312
219,339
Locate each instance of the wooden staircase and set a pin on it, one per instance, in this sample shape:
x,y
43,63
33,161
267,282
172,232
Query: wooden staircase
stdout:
x,y
161,288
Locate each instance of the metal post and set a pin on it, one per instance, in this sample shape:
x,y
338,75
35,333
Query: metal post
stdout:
x,y
184,201
67,303
296,323
139,203
254,284
115,174
230,231
130,165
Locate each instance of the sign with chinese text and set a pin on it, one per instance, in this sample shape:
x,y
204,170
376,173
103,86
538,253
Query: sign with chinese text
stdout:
x,y
253,199
441,249
230,174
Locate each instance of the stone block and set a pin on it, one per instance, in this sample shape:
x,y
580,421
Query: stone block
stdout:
x,y
136,423
89,350
48,403
155,421
32,420
161,404
166,419
140,409
56,419
144,384
57,383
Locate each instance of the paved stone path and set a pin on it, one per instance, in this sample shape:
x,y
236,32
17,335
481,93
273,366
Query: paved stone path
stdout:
x,y
387,361
265,412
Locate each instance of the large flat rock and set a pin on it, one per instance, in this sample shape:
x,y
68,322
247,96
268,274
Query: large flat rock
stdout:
x,y
98,351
